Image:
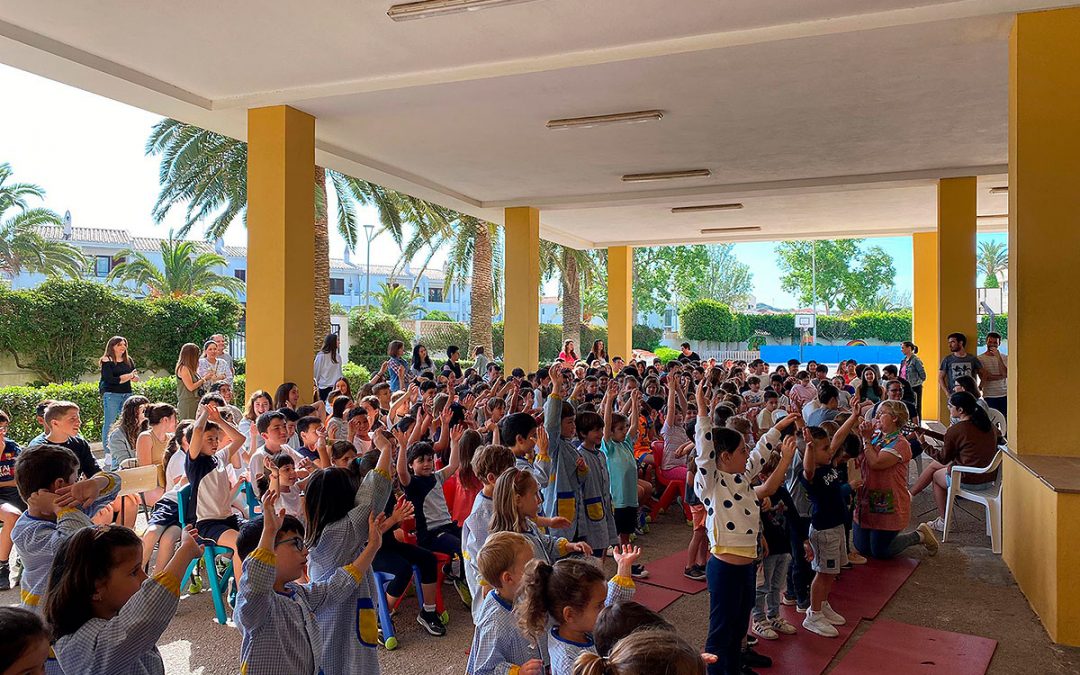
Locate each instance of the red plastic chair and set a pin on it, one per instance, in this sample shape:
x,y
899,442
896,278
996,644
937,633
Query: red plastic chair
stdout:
x,y
672,489
408,531
450,492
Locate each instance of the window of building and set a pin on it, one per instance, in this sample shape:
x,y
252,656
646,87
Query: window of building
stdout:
x,y
337,286
670,318
434,294
241,275
102,265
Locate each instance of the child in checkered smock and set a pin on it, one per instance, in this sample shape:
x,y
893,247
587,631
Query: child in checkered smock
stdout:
x,y
499,647
571,593
276,616
110,619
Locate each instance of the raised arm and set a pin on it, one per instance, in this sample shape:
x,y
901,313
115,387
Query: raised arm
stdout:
x,y
236,439
404,477
195,446
842,433
454,461
608,405
776,478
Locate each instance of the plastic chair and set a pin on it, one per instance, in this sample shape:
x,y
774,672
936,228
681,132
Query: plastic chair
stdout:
x,y
382,580
408,531
450,491
990,499
218,584
672,488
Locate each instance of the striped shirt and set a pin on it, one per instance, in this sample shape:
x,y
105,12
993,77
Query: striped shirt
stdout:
x,y
279,634
127,643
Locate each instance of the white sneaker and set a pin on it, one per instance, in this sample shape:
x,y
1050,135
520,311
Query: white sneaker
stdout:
x,y
816,623
937,524
780,625
926,536
831,616
764,629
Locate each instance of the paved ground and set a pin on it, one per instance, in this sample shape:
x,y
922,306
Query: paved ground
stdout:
x,y
965,589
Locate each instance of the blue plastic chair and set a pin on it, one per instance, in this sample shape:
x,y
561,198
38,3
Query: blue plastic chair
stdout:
x,y
218,584
382,580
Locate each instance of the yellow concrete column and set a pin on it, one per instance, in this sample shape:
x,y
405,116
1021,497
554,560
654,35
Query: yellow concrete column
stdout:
x,y
620,301
521,341
926,330
956,271
1041,516
281,248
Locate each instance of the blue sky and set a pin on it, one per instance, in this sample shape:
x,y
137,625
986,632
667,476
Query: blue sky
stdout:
x,y
87,153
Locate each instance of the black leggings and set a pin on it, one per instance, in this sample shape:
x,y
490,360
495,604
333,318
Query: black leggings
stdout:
x,y
397,559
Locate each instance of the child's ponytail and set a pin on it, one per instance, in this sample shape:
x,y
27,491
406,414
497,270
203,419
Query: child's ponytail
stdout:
x,y
589,663
83,560
546,590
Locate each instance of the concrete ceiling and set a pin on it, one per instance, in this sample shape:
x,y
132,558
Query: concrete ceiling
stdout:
x,y
825,118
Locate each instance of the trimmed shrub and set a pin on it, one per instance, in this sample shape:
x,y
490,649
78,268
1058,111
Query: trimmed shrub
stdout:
x,y
437,315
437,337
239,366
708,320
666,354
1001,325
371,332
646,337
356,374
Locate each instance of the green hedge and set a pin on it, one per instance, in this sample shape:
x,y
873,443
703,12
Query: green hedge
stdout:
x,y
20,403
438,336
58,330
1001,325
712,321
647,337
356,374
370,332
644,337
666,354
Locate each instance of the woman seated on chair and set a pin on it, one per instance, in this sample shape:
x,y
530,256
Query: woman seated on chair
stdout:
x,y
883,504
972,441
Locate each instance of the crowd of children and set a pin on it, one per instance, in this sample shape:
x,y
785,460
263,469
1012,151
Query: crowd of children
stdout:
x,y
515,490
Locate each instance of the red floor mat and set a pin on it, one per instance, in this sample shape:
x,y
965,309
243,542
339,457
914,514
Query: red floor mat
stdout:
x,y
668,573
894,648
804,653
864,590
655,598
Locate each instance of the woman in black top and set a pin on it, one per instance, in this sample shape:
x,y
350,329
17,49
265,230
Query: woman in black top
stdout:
x,y
117,374
598,355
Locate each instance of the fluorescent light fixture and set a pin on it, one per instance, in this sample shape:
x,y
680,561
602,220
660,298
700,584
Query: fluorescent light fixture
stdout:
x,y
720,230
992,216
665,175
1000,190
423,9
596,120
707,207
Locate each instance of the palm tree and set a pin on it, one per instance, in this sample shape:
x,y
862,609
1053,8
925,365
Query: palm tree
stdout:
x,y
184,271
575,268
397,301
992,257
22,246
474,257
208,171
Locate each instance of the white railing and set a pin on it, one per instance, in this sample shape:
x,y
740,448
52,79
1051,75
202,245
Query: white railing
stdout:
x,y
732,354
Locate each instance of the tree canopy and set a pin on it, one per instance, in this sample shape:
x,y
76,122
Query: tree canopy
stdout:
x,y
667,275
848,275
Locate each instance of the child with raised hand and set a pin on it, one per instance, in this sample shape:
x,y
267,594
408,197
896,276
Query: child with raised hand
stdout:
x,y
488,464
570,593
498,647
516,507
564,467
276,616
58,505
598,526
106,615
725,469
210,499
618,448
828,539
25,648
338,514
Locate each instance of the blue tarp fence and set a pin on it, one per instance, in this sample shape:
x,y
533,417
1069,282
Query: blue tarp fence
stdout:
x,y
781,353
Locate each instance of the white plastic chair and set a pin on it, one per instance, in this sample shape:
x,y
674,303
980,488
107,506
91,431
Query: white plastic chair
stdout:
x,y
989,498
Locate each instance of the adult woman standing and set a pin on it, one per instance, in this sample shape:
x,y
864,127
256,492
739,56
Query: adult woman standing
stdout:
x,y
883,503
568,355
971,441
212,367
151,444
117,374
912,370
188,381
598,354
327,366
397,366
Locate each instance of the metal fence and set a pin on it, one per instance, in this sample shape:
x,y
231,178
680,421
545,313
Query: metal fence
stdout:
x,y
238,346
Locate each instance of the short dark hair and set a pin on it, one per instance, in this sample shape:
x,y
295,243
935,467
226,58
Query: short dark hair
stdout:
x,y
263,423
587,421
451,350
519,424
770,395
993,334
960,337
821,368
247,540
305,423
305,410
40,466
621,619
290,414
418,450
20,627
827,394
891,369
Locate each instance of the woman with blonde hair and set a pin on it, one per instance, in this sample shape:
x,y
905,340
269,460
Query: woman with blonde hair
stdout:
x,y
188,382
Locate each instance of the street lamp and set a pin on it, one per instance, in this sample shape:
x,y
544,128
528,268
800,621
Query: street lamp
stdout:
x,y
369,232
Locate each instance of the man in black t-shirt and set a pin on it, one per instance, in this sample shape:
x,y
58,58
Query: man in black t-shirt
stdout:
x,y
688,353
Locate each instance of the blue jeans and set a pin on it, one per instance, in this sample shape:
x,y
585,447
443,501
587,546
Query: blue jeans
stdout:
x,y
767,597
112,403
882,544
731,597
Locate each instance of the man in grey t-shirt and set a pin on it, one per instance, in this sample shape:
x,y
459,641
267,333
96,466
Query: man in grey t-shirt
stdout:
x,y
957,364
